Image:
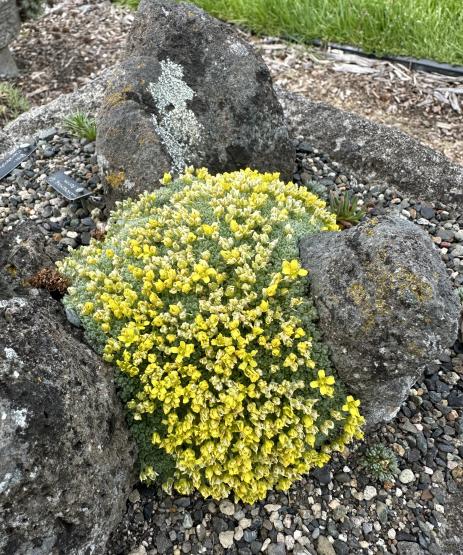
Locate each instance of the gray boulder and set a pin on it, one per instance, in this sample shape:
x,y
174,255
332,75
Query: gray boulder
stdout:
x,y
375,152
191,92
9,29
66,459
386,307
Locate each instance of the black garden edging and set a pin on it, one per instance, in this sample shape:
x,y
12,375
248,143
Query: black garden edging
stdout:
x,y
429,66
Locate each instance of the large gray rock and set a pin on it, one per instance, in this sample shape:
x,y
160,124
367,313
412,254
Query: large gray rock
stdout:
x,y
386,307
66,459
9,29
191,92
28,125
375,152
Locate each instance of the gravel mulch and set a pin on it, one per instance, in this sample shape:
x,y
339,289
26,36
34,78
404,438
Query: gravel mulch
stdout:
x,y
337,509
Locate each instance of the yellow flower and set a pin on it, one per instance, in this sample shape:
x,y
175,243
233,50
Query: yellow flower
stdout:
x,y
166,179
323,383
293,269
351,405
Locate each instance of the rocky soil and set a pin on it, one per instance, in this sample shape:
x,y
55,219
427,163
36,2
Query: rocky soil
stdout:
x,y
338,509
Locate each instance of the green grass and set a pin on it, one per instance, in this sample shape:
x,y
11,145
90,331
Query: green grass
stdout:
x,y
12,103
81,125
420,28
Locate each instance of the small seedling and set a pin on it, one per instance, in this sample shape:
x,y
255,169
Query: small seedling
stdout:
x,y
81,125
380,463
12,103
346,209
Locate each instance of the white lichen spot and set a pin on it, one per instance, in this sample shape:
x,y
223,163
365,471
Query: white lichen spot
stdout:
x,y
19,417
238,49
128,185
177,125
10,353
16,302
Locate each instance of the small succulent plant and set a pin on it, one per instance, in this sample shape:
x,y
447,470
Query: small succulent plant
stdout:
x,y
380,463
345,207
81,125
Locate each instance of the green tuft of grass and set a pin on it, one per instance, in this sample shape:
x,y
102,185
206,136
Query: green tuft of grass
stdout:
x,y
131,4
12,103
420,28
346,209
81,125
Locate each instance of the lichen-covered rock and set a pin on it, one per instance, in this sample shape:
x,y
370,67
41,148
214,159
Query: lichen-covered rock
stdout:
x,y
66,459
191,92
386,307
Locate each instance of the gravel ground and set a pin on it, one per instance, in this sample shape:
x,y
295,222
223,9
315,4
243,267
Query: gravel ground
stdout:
x,y
76,39
335,510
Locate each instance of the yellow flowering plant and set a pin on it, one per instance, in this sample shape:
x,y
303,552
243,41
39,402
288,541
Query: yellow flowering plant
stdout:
x,y
197,296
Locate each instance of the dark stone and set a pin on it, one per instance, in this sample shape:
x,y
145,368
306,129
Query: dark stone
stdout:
x,y
163,543
386,307
455,399
323,475
427,212
66,459
375,152
409,547
171,105
341,548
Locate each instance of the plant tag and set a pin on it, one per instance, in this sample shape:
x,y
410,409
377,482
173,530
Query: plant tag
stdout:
x,y
12,161
67,186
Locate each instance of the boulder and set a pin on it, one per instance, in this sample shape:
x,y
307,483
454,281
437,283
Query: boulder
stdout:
x,y
66,458
386,307
374,152
9,29
190,92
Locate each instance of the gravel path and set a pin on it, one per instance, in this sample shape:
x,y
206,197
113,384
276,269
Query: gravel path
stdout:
x,y
335,510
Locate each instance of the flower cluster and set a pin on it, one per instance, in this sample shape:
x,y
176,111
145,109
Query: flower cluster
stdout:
x,y
196,294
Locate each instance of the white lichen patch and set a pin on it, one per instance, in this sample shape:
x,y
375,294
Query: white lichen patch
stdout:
x,y
238,49
177,125
14,302
128,185
19,417
10,353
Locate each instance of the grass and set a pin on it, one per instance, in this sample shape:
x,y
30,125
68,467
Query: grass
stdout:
x,y
12,103
81,125
420,28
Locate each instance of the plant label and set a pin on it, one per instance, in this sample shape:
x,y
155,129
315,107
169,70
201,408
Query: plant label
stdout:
x,y
67,186
12,161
